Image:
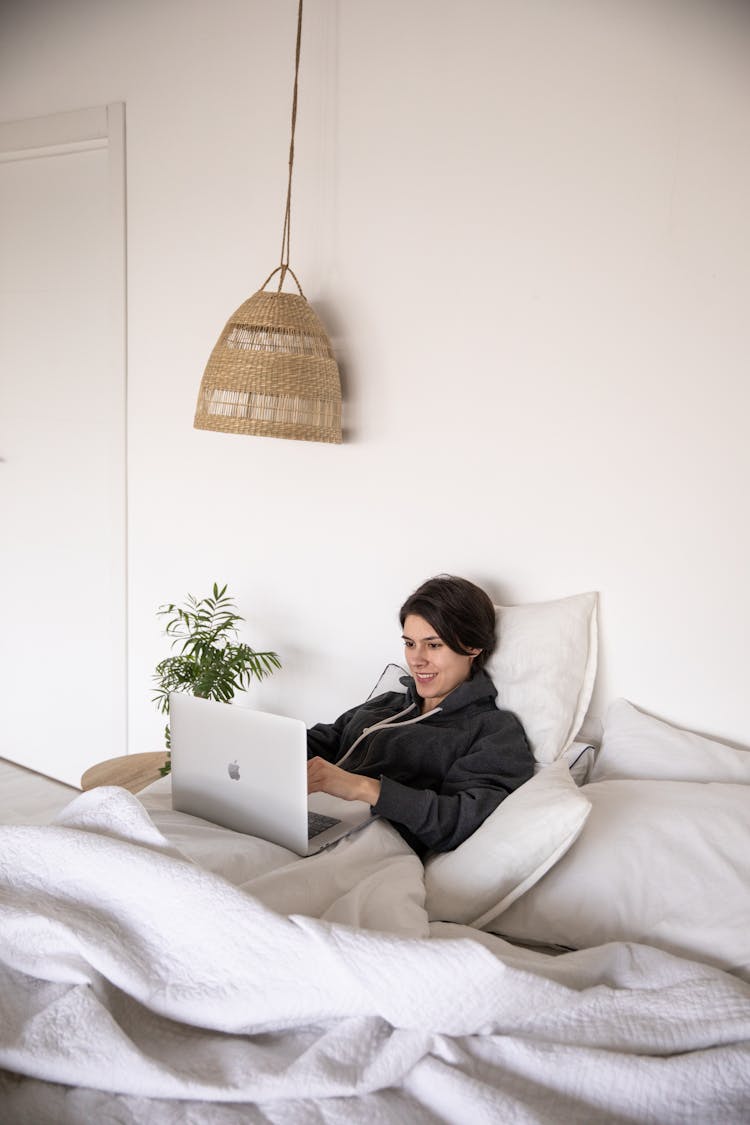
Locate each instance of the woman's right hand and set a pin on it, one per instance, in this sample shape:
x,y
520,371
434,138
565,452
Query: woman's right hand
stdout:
x,y
324,777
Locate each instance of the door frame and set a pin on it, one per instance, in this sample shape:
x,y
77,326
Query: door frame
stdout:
x,y
96,127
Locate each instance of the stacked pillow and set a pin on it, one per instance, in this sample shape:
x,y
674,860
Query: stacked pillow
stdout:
x,y
520,841
635,745
663,855
544,668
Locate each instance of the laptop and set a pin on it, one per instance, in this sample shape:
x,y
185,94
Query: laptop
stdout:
x,y
247,770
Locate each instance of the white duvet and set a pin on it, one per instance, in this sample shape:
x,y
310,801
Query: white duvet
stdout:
x,y
314,990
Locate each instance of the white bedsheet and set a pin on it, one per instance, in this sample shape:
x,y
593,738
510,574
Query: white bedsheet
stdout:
x,y
127,968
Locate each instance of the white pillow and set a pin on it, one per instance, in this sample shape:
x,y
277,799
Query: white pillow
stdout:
x,y
544,668
390,680
532,828
659,862
579,758
637,745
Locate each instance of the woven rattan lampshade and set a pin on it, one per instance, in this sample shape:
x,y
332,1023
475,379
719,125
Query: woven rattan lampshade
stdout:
x,y
273,372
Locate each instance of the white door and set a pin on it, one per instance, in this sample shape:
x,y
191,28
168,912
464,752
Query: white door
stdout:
x,y
62,442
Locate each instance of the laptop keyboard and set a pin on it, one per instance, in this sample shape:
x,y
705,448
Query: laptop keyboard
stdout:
x,y
317,823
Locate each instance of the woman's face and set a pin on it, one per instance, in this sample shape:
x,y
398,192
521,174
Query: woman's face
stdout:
x,y
436,669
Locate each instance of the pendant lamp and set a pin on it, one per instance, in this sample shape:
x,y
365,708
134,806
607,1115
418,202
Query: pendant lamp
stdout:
x,y
272,372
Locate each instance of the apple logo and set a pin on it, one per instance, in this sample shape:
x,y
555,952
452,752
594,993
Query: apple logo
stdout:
x,y
233,770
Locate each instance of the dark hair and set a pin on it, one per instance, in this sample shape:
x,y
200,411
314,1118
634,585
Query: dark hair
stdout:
x,y
461,614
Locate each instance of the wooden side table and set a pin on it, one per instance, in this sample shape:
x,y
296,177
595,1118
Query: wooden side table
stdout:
x,y
131,771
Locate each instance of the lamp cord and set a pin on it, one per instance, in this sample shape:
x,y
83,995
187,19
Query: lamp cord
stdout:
x,y
286,235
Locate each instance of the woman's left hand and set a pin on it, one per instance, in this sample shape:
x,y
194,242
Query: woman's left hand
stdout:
x,y
324,777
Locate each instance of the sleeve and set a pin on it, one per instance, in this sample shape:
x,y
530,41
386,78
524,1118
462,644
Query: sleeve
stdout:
x,y
439,820
324,740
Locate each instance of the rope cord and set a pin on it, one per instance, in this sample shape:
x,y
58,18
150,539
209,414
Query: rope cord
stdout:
x,y
286,235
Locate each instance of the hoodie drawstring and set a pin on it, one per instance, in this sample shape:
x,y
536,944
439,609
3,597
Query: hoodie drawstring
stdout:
x,y
388,723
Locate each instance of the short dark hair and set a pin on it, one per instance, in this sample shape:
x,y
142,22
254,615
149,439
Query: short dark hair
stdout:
x,y
461,614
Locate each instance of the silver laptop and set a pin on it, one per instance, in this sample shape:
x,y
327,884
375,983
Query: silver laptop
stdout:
x,y
247,770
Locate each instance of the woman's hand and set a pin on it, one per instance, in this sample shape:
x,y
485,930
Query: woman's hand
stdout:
x,y
324,777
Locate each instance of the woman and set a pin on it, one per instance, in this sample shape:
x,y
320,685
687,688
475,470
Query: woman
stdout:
x,y
439,760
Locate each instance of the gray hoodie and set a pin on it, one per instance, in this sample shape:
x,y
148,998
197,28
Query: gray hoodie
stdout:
x,y
441,773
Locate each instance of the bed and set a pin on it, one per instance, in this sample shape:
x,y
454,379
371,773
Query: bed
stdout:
x,y
584,957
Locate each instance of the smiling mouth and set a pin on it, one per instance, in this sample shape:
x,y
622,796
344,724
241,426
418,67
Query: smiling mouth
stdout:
x,y
425,677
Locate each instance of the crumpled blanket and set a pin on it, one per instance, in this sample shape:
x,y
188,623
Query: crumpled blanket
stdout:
x,y
125,967
371,879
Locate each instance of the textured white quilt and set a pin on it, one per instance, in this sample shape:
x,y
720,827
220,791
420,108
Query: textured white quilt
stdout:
x,y
127,968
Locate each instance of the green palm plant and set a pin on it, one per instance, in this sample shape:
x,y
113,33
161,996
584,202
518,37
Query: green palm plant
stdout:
x,y
210,661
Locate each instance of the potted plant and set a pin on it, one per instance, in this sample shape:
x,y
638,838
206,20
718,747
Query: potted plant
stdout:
x,y
210,661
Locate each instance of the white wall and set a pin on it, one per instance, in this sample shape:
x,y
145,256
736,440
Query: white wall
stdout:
x,y
525,224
